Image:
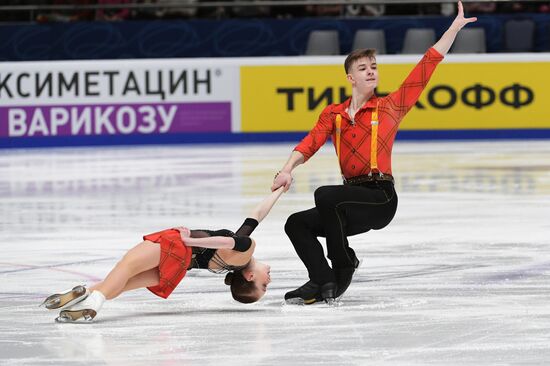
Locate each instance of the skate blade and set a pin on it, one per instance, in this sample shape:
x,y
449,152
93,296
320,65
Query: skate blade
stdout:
x,y
300,301
65,299
295,301
76,316
331,301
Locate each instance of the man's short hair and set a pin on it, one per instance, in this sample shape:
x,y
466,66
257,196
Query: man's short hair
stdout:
x,y
358,54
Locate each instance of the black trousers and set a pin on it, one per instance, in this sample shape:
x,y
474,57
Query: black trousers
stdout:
x,y
340,211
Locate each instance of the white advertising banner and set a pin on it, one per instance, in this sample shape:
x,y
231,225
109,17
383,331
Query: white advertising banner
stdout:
x,y
119,97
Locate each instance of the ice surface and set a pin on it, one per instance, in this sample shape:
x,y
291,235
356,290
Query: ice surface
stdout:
x,y
460,277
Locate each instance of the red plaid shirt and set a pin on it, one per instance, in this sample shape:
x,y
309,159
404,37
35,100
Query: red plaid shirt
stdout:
x,y
355,142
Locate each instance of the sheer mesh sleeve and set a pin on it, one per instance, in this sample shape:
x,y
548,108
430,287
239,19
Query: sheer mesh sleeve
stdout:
x,y
207,233
247,227
199,234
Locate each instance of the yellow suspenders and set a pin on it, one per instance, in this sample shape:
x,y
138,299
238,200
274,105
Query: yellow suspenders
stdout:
x,y
373,142
338,132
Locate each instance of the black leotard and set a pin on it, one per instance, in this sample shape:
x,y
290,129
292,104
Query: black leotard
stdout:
x,y
202,256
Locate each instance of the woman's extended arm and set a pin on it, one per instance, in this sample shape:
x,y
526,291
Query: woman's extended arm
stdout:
x,y
239,242
446,41
262,209
259,212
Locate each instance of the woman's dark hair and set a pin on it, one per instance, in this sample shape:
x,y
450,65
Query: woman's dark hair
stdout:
x,y
242,290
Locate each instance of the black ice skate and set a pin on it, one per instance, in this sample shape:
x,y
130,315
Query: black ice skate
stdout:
x,y
344,276
328,293
66,298
307,294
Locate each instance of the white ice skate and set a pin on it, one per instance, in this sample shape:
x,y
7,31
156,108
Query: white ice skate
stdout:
x,y
84,311
66,298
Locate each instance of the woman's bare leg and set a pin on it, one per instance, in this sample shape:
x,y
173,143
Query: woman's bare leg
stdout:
x,y
147,278
137,261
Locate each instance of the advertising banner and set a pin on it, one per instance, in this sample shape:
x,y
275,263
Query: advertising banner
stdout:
x,y
63,103
468,95
115,99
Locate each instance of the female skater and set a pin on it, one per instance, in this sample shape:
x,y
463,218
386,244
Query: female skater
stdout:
x,y
161,261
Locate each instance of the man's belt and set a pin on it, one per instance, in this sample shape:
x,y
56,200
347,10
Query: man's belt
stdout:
x,y
368,178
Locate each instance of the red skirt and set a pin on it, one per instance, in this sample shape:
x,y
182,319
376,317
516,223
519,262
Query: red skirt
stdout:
x,y
174,260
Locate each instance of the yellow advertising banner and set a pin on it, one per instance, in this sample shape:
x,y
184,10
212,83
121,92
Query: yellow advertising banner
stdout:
x,y
483,95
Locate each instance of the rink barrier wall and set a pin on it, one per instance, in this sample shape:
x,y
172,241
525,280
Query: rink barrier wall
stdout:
x,y
72,103
252,137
